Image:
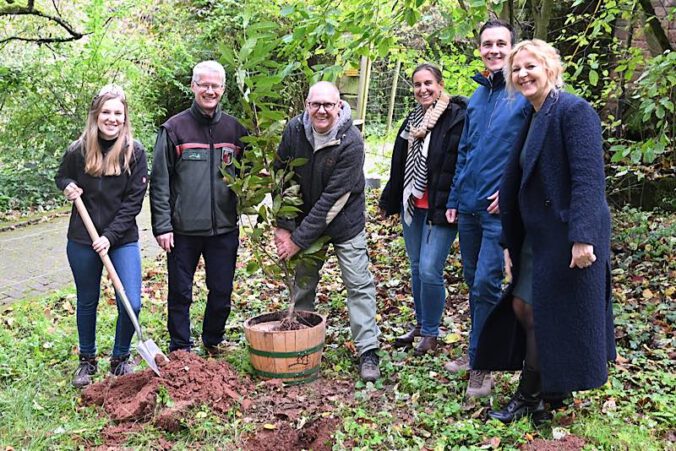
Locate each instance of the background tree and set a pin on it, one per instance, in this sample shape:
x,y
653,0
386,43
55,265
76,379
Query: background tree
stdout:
x,y
150,48
44,24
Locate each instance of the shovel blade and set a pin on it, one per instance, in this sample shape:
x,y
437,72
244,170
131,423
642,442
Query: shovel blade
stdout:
x,y
149,351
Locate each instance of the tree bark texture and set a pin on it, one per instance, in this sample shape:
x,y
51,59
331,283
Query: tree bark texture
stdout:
x,y
542,14
655,26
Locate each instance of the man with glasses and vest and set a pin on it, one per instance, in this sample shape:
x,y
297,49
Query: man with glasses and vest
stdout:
x,y
332,187
194,212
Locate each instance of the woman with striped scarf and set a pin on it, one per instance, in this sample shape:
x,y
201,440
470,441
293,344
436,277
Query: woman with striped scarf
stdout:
x,y
423,165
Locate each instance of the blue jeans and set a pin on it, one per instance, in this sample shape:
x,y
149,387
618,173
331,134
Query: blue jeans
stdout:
x,y
482,262
87,267
361,291
220,255
428,247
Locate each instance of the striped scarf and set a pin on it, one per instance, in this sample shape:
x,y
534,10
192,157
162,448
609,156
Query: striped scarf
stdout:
x,y
418,126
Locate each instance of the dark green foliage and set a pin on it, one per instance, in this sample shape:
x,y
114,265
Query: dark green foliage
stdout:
x,y
150,48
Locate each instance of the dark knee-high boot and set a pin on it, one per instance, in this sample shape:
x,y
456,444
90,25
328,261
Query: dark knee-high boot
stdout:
x,y
526,401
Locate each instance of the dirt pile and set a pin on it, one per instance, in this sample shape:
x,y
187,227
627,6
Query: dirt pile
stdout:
x,y
568,443
297,417
187,380
316,436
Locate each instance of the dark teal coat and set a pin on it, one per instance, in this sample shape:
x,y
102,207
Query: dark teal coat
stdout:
x,y
558,199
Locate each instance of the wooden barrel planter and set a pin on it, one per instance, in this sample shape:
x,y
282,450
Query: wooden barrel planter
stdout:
x,y
293,356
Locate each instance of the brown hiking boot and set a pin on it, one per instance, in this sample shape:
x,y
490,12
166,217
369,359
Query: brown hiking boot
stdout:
x,y
220,349
84,372
427,344
406,340
480,384
368,365
457,365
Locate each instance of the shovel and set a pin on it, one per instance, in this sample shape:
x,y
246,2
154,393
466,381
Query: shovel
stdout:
x,y
146,348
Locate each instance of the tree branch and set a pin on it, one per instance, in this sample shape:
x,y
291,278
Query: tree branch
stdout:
x,y
29,10
56,7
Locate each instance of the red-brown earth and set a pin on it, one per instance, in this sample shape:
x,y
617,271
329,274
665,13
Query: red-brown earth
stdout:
x,y
294,417
567,443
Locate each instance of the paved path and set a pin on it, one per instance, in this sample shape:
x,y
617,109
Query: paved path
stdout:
x,y
33,258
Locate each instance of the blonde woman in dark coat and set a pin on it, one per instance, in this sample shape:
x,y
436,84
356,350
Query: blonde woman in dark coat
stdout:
x,y
555,321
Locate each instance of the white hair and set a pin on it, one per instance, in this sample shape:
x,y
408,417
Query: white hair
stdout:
x,y
207,67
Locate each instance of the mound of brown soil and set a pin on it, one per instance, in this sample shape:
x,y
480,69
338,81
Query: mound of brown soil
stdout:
x,y
280,414
568,443
188,380
297,417
315,436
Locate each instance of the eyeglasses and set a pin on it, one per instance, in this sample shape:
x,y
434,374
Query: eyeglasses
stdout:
x,y
328,106
207,86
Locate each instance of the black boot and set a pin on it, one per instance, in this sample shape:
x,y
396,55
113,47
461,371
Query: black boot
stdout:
x,y
119,366
556,400
527,401
84,372
406,340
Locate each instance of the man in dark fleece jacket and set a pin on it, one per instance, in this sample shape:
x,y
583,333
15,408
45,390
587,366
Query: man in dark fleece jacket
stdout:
x,y
194,211
332,188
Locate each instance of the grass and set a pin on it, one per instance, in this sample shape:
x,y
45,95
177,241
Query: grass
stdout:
x,y
415,405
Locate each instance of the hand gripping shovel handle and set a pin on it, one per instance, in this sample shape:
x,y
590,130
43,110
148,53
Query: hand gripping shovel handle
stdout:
x,y
147,349
107,262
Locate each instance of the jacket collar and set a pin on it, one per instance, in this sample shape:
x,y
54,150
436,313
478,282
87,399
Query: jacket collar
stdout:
x,y
202,118
459,102
549,102
343,124
535,143
494,82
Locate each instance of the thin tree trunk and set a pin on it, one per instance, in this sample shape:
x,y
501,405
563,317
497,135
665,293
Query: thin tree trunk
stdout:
x,y
393,97
655,25
507,13
542,14
621,106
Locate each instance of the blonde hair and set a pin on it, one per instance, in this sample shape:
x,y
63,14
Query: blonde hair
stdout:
x,y
547,55
118,158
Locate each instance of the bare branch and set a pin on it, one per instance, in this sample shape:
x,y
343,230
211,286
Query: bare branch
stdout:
x,y
40,41
29,10
56,7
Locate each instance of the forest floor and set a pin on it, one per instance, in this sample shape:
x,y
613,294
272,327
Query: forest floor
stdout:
x,y
415,405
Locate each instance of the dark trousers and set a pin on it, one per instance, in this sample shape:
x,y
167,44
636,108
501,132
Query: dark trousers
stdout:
x,y
220,254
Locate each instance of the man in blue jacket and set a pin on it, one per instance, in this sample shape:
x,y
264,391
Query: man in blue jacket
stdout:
x,y
493,119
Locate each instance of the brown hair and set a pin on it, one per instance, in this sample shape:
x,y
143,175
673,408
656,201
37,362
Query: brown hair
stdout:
x,y
431,68
119,157
497,23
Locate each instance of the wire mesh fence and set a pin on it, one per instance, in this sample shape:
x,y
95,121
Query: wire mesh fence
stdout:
x,y
383,75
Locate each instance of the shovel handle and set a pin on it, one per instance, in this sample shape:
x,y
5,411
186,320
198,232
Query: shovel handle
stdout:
x,y
108,263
